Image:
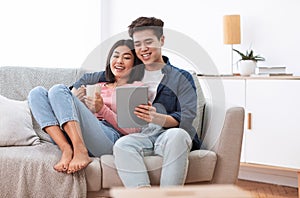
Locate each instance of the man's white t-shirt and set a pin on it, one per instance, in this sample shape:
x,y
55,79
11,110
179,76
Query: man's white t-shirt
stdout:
x,y
152,80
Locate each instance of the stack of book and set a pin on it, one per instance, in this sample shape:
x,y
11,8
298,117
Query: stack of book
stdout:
x,y
272,71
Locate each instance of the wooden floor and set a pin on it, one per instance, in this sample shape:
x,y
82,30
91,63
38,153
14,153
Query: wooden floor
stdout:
x,y
267,190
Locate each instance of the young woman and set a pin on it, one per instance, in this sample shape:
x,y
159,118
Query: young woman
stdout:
x,y
84,126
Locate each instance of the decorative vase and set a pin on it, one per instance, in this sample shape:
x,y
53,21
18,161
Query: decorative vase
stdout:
x,y
247,67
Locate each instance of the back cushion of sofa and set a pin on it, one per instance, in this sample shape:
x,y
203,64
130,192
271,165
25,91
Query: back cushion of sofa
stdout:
x,y
16,82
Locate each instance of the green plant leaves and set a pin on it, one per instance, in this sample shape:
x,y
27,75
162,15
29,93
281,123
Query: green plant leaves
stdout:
x,y
249,55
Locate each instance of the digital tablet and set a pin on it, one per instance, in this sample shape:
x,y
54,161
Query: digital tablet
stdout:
x,y
127,98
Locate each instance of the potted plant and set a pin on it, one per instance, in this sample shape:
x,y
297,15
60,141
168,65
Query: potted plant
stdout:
x,y
247,63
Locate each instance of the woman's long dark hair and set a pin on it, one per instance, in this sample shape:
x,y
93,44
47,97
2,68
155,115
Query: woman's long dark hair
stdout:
x,y
137,71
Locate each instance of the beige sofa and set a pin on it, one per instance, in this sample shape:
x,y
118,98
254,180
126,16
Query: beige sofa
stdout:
x,y
219,164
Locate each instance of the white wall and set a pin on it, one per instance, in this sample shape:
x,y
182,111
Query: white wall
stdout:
x,y
61,33
56,33
270,27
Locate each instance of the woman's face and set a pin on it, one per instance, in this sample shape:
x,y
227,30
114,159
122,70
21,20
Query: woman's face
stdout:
x,y
121,62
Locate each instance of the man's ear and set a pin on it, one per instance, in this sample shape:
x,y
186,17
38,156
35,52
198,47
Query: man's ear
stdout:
x,y
162,40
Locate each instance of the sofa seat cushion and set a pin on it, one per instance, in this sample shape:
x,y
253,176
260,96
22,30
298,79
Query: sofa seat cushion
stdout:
x,y
93,175
202,165
201,168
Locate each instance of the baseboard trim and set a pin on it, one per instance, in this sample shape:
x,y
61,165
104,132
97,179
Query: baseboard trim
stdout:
x,y
269,174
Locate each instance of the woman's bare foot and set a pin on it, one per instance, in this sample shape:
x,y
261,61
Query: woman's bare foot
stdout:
x,y
80,160
66,157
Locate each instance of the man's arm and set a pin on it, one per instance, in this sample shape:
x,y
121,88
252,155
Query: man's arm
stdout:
x,y
89,79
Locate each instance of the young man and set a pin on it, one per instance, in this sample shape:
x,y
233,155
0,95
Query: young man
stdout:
x,y
170,132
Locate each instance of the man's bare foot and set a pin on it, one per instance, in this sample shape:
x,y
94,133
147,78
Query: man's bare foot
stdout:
x,y
66,157
80,160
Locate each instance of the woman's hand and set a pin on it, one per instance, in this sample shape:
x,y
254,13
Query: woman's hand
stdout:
x,y
79,93
94,104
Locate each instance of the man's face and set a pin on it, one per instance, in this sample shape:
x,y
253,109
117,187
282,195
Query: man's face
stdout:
x,y
148,47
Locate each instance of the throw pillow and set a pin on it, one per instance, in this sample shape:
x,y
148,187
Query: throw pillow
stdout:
x,y
16,123
198,121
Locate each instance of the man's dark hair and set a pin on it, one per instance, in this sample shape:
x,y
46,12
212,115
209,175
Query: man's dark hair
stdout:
x,y
137,71
145,23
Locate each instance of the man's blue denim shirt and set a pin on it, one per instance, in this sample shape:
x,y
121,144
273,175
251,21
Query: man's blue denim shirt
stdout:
x,y
176,96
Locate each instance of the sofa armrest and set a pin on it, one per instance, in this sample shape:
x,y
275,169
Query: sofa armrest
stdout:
x,y
228,147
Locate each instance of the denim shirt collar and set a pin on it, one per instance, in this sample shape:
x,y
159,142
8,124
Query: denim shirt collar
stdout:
x,y
166,69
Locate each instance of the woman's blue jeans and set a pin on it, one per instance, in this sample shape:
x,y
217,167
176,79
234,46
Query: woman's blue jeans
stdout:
x,y
58,106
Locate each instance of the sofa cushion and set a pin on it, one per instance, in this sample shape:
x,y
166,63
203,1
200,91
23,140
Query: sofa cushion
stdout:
x,y
16,127
201,168
202,165
111,177
16,82
93,175
198,121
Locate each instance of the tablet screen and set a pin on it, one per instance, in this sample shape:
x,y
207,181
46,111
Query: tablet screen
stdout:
x,y
127,98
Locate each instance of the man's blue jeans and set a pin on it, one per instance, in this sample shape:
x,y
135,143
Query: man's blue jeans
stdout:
x,y
173,145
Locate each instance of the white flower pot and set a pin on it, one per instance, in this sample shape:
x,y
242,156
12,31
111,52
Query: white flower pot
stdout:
x,y
247,67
